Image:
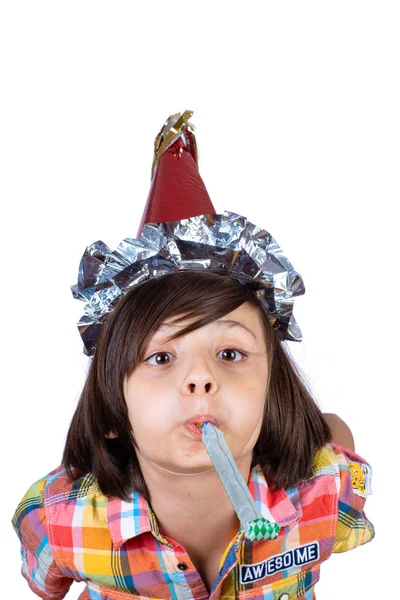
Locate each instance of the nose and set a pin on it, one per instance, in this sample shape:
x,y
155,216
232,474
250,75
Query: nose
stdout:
x,y
199,379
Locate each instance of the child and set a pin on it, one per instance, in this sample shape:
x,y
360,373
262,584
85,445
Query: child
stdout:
x,y
185,325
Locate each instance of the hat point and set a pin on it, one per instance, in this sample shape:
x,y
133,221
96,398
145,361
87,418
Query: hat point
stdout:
x,y
177,190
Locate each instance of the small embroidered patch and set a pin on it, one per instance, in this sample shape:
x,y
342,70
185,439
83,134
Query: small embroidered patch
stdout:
x,y
360,478
279,562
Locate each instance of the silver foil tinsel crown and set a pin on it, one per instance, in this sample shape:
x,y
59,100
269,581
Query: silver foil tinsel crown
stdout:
x,y
228,244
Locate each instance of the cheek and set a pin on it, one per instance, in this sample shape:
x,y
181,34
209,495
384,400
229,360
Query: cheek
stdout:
x,y
251,384
248,399
250,416
149,408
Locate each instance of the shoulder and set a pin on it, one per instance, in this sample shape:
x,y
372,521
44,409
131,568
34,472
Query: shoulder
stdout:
x,y
33,500
340,432
353,475
344,464
60,487
51,489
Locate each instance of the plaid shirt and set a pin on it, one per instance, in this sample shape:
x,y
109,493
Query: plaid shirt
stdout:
x,y
71,531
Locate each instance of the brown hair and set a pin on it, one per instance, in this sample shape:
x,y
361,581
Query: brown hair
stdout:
x,y
293,428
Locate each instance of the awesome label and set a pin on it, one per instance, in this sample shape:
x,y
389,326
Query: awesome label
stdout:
x,y
292,558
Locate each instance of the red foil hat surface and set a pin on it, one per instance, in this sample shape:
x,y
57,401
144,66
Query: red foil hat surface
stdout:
x,y
177,191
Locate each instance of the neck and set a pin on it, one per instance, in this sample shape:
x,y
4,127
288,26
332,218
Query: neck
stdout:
x,y
194,502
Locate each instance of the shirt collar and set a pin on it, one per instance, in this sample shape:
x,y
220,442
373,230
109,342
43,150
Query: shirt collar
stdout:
x,y
128,519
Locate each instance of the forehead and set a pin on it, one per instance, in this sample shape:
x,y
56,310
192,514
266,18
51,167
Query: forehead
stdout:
x,y
245,318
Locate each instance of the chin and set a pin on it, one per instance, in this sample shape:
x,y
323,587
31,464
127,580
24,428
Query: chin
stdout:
x,y
198,458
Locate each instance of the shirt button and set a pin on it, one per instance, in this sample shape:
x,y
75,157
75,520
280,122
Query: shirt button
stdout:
x,y
284,597
182,566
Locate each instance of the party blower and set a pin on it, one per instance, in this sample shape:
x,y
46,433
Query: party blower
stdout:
x,y
255,526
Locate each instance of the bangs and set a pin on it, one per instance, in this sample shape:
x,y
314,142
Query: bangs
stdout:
x,y
201,297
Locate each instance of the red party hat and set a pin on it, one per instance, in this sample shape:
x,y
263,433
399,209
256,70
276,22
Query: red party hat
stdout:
x,y
227,244
177,191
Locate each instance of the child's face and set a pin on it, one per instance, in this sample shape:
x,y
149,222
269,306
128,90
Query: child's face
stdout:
x,y
203,372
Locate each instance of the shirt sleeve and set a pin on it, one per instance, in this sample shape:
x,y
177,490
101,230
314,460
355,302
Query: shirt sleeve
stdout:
x,y
38,566
354,483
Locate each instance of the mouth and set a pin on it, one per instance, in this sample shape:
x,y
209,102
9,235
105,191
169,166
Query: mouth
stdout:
x,y
199,419
194,429
194,424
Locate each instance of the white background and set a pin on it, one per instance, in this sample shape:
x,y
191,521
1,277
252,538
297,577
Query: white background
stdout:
x,y
296,109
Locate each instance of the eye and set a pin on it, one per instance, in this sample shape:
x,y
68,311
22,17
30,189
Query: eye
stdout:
x,y
159,359
231,355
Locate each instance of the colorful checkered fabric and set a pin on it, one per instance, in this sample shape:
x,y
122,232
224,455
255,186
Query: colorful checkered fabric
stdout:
x,y
71,531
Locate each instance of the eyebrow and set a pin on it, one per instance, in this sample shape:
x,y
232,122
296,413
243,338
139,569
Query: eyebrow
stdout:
x,y
230,323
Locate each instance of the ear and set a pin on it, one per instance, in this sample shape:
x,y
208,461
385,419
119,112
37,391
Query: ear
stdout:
x,y
111,435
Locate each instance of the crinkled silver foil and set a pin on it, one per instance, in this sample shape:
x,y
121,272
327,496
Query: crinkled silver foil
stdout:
x,y
227,244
